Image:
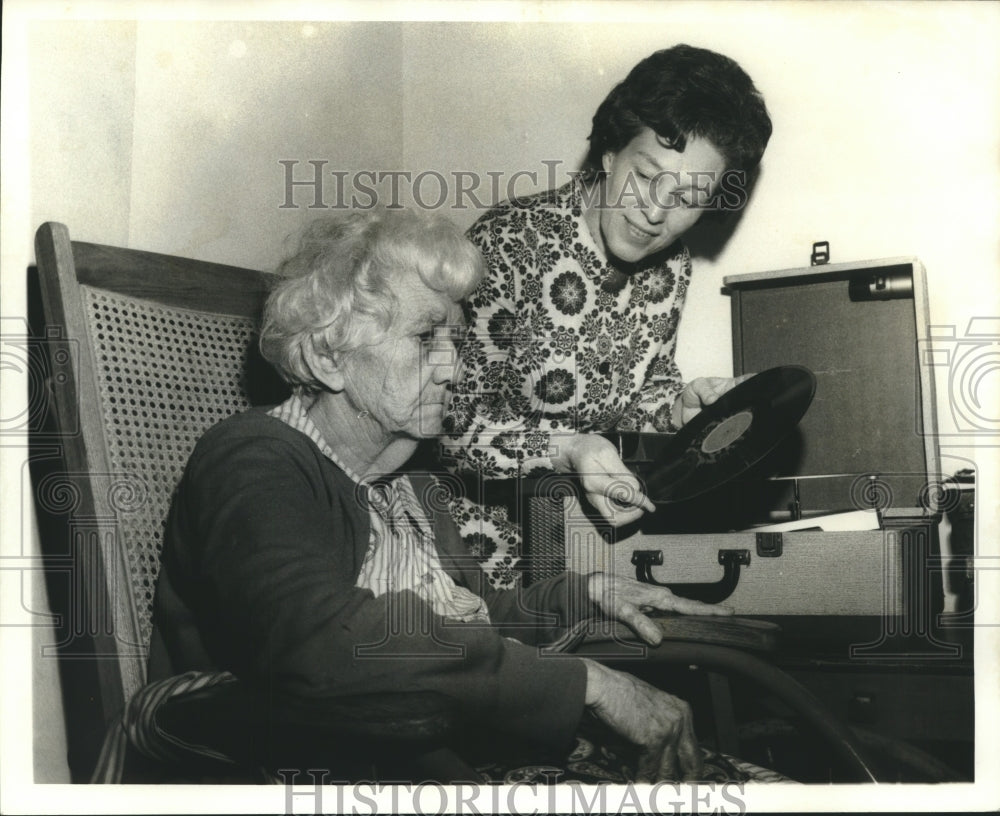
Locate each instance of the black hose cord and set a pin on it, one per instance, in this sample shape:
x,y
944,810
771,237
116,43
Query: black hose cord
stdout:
x,y
861,755
816,718
894,760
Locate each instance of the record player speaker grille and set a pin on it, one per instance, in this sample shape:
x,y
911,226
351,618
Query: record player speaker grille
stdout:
x,y
544,538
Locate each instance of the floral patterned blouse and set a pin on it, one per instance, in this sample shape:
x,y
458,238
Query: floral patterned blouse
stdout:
x,y
560,341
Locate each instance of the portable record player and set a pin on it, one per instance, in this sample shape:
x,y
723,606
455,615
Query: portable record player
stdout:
x,y
835,528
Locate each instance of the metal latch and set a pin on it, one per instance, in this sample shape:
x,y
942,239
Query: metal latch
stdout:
x,y
820,253
769,545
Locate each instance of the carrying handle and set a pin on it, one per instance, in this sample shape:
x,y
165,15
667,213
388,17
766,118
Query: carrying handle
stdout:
x,y
731,560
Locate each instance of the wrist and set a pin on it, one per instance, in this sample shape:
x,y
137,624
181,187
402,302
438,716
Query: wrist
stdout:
x,y
565,455
595,681
595,586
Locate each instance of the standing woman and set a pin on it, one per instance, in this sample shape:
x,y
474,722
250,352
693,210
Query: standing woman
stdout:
x,y
574,329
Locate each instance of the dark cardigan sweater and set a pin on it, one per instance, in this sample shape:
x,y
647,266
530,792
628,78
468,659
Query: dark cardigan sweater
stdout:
x,y
264,542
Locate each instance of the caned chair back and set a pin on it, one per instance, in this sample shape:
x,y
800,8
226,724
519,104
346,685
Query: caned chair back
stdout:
x,y
148,351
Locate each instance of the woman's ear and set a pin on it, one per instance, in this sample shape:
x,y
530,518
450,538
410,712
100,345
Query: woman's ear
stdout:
x,y
607,159
324,367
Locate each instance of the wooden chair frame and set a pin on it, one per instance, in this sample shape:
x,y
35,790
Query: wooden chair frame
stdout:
x,y
65,266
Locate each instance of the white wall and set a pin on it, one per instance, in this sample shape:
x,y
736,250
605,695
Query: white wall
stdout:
x,y
219,105
167,135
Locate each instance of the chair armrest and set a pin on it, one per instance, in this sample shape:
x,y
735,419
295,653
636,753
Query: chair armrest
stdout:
x,y
415,716
282,731
410,716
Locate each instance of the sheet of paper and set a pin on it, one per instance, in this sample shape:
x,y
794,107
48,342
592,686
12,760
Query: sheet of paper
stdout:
x,y
852,520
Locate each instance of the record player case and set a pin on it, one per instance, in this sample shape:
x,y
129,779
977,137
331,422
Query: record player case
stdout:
x,y
860,610
866,443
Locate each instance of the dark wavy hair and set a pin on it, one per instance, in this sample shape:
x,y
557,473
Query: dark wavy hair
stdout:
x,y
682,93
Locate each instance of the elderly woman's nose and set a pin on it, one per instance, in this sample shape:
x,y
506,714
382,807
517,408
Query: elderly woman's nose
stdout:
x,y
443,374
443,370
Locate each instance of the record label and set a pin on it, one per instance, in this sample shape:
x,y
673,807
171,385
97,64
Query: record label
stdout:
x,y
727,432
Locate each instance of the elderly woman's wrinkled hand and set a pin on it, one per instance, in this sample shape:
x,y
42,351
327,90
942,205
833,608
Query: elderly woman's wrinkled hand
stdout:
x,y
627,600
608,484
700,393
659,723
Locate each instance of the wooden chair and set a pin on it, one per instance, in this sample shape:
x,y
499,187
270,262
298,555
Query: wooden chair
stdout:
x,y
161,348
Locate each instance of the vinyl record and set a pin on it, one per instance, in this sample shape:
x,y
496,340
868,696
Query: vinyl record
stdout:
x,y
729,436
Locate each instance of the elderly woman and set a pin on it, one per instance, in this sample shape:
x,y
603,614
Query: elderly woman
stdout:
x,y
573,330
301,559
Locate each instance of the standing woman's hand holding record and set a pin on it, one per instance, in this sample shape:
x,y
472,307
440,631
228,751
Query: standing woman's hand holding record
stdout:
x,y
698,394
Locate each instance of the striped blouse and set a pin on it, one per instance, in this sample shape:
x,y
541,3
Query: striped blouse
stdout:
x,y
401,553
